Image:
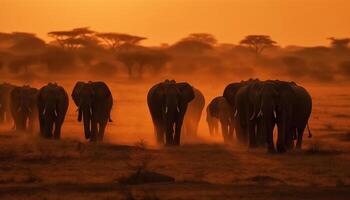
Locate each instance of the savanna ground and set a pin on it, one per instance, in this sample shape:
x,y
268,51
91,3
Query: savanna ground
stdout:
x,y
203,167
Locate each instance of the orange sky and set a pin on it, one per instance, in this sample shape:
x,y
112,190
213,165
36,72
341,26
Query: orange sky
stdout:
x,y
300,22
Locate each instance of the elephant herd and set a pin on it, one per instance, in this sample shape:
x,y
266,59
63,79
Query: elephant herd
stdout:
x,y
250,109
48,105
247,111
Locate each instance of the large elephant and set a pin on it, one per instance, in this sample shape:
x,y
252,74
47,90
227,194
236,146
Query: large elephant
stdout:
x,y
288,106
23,107
247,113
167,102
220,110
52,107
193,114
94,101
5,110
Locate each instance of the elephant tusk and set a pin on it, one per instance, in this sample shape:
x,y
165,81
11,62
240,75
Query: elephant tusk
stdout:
x,y
274,114
55,113
178,109
260,114
166,109
236,112
44,111
91,111
252,117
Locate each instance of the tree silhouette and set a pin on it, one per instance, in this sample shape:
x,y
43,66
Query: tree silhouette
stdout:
x,y
195,42
116,40
201,37
339,43
258,42
75,38
137,59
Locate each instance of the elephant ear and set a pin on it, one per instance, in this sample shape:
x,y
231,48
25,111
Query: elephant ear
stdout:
x,y
101,90
230,92
186,92
76,92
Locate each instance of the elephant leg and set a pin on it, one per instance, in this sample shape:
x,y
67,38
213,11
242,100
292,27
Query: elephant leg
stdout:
x,y
57,132
216,127
42,125
195,127
169,138
177,133
252,135
31,120
211,128
289,139
8,116
231,130
48,128
224,131
239,132
101,130
93,137
58,125
2,116
159,130
23,123
270,144
300,137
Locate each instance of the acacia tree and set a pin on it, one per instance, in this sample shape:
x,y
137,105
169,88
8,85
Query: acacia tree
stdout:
x,y
258,42
339,43
116,40
75,38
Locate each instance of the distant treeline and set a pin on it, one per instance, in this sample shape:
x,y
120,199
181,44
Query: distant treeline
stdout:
x,y
108,54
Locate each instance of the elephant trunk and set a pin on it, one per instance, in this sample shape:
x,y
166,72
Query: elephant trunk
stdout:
x,y
87,122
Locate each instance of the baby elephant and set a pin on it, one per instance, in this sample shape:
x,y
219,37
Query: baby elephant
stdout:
x,y
219,110
52,106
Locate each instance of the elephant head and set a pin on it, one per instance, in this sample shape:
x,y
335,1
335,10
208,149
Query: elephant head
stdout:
x,y
23,99
48,96
276,107
23,105
175,98
85,95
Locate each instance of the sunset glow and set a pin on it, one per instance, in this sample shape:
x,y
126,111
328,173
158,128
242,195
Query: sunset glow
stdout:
x,y
291,22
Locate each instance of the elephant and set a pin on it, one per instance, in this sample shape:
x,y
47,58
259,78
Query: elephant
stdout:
x,y
238,122
248,124
286,105
52,107
94,101
193,114
220,110
23,107
5,110
167,102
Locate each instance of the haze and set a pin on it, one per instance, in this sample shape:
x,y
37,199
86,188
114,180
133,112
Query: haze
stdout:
x,y
295,22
